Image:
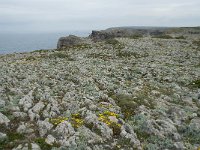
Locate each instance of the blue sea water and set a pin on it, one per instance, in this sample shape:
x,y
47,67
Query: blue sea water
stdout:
x,y
10,43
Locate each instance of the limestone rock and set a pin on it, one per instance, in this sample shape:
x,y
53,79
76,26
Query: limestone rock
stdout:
x,y
100,36
2,137
44,127
50,139
34,146
2,103
27,101
4,119
38,107
64,129
69,41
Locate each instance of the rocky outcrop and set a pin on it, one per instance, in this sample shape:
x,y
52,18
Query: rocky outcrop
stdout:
x,y
69,41
100,36
137,94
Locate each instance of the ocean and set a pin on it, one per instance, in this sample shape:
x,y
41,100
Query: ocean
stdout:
x,y
11,43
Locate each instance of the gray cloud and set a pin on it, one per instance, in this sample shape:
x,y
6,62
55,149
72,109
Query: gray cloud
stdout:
x,y
66,15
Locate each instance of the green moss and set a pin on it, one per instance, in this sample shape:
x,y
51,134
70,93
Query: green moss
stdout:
x,y
43,145
195,84
12,136
12,140
196,43
128,104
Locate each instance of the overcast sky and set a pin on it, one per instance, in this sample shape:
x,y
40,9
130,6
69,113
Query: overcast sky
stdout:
x,y
64,15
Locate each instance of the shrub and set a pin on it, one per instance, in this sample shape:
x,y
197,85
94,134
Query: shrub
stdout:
x,y
136,36
180,37
190,133
196,43
195,84
30,58
159,142
43,145
112,41
12,140
58,55
163,36
128,104
115,43
123,54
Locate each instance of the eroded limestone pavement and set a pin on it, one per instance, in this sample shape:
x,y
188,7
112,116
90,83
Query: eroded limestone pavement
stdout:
x,y
135,94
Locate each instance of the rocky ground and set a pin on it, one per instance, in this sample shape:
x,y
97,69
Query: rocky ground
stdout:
x,y
126,94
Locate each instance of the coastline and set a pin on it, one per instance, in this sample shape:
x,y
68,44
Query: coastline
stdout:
x,y
103,93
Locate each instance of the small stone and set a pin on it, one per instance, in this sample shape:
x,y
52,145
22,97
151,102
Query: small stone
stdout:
x,y
93,107
4,119
38,107
44,127
20,115
65,129
2,137
179,146
50,140
2,103
24,128
19,147
35,146
113,119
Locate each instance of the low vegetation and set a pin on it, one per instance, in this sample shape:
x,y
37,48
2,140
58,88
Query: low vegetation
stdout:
x,y
163,36
136,36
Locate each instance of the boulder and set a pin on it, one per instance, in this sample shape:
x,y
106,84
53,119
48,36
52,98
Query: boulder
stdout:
x,y
69,41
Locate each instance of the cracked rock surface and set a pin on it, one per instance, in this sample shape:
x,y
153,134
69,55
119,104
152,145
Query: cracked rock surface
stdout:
x,y
134,94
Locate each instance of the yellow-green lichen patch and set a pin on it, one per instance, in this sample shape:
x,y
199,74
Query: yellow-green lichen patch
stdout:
x,y
77,120
58,120
105,105
111,119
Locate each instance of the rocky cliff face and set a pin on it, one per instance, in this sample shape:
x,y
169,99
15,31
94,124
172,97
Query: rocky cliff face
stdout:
x,y
69,41
128,94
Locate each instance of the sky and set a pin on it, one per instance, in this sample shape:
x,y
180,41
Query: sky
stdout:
x,y
48,16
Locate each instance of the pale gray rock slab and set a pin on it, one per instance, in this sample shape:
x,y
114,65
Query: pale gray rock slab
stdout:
x,y
20,114
35,146
64,129
3,136
2,103
44,127
38,107
4,119
50,140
